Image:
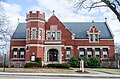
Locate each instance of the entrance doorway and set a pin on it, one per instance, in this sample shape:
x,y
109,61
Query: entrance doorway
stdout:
x,y
52,55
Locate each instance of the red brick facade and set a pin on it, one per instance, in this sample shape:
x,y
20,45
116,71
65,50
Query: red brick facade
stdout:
x,y
47,48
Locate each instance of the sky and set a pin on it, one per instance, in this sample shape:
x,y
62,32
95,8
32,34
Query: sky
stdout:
x,y
64,10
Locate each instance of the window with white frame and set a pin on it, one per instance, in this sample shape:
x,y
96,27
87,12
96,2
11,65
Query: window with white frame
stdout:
x,y
22,53
96,37
58,35
81,52
33,33
40,35
68,49
33,58
48,35
15,53
89,52
97,52
53,36
105,52
91,37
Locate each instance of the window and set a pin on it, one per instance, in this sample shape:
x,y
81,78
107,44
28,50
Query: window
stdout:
x,y
97,52
48,36
53,36
28,34
22,54
81,52
91,37
32,58
68,52
33,33
40,35
105,52
96,37
15,53
89,52
58,35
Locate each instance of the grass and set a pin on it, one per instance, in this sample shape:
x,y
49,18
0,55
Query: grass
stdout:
x,y
40,70
63,71
107,70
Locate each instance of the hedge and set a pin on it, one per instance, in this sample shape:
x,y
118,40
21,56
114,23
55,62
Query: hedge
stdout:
x,y
32,64
88,62
64,65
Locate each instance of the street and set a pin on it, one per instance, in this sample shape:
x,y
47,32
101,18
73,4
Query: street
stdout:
x,y
45,77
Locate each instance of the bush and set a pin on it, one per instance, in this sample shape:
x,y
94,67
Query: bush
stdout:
x,y
94,62
74,61
64,65
85,61
38,60
32,64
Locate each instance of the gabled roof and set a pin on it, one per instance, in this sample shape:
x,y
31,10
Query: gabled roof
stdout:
x,y
78,28
20,32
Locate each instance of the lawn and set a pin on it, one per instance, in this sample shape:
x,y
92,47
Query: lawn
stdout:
x,y
63,71
41,70
107,70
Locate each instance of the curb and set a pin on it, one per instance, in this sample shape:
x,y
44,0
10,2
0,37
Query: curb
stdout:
x,y
63,75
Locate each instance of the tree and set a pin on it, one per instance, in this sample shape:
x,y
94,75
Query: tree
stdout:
x,y
5,29
114,5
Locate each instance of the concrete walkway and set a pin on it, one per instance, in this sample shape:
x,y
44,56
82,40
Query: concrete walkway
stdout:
x,y
98,75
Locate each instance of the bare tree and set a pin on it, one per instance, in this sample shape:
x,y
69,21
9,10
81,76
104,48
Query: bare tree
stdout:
x,y
114,5
5,29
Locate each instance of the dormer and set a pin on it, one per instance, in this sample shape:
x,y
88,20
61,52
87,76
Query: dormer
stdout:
x,y
93,34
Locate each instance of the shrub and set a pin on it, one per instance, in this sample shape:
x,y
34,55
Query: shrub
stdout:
x,y
64,65
94,62
38,60
75,61
85,61
32,64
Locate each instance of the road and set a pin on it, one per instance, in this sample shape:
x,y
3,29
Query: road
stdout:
x,y
45,77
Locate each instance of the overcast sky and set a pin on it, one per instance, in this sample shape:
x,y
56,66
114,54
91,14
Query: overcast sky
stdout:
x,y
64,10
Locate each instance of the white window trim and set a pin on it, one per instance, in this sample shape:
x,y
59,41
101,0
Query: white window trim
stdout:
x,y
98,33
94,38
39,34
60,35
15,54
93,47
55,34
66,52
22,54
27,34
35,35
81,52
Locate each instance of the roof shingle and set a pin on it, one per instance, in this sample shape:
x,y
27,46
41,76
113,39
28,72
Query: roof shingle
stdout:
x,y
78,28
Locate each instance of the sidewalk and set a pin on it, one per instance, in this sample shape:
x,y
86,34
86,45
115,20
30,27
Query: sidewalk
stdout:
x,y
98,75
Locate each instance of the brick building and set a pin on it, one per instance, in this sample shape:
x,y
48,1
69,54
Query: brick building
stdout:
x,y
56,41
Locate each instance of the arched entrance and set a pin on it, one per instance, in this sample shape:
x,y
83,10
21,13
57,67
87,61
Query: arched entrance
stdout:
x,y
52,55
